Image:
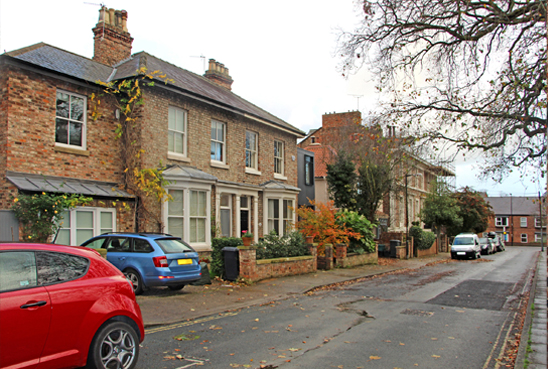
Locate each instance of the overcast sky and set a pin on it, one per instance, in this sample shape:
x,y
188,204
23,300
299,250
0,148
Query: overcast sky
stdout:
x,y
281,54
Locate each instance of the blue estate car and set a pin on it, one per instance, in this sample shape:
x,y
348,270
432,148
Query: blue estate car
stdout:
x,y
149,259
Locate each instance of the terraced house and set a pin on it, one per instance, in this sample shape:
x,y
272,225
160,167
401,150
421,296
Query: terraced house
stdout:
x,y
231,165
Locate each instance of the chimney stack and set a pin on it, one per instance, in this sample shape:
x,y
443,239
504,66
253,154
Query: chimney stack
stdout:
x,y
112,39
338,120
218,74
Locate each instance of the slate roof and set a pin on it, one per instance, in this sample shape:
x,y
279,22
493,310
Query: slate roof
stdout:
x,y
42,183
186,82
184,172
275,185
513,205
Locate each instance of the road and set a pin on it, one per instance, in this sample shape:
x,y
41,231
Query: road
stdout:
x,y
458,314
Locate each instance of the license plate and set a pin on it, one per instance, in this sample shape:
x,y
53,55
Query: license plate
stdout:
x,y
184,261
461,253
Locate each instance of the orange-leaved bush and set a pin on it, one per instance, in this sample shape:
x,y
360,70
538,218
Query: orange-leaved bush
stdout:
x,y
321,223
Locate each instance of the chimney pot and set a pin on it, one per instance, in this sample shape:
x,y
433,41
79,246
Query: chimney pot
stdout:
x,y
218,74
112,40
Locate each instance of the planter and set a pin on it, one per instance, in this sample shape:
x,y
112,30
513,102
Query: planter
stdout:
x,y
309,239
247,241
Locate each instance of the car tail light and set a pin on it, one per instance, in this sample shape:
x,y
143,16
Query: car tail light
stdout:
x,y
160,261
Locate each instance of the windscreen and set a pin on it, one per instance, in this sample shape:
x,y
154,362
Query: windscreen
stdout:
x,y
174,246
463,241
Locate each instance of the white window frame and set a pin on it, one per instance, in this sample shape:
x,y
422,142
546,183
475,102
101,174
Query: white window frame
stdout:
x,y
96,228
282,199
69,120
288,221
523,238
538,222
501,222
538,237
186,187
228,207
279,159
215,141
523,222
197,217
252,152
174,112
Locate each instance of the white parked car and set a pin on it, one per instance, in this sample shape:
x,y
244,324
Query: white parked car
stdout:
x,y
466,245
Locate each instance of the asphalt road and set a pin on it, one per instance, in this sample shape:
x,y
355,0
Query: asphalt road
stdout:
x,y
452,315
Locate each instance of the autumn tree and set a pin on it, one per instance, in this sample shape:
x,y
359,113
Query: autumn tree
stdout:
x,y
440,209
467,73
474,211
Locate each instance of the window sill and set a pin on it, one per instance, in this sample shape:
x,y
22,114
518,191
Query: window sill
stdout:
x,y
201,247
70,150
280,177
252,171
218,164
178,157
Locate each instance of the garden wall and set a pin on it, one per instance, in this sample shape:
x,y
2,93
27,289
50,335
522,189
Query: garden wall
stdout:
x,y
433,250
256,270
344,260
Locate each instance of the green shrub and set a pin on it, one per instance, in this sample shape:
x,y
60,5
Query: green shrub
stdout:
x,y
421,239
217,257
361,225
273,246
40,215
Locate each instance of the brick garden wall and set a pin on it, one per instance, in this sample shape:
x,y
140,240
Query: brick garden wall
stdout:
x,y
433,250
256,270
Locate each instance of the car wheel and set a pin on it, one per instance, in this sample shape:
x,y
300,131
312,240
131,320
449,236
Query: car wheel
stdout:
x,y
115,345
135,280
176,287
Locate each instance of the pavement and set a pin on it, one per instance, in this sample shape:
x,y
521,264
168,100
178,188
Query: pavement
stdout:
x,y
163,307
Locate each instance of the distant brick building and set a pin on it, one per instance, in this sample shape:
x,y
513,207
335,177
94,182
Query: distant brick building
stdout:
x,y
231,165
342,130
517,220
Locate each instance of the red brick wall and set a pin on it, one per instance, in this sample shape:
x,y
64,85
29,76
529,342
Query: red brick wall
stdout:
x,y
517,230
27,136
433,250
256,270
111,46
338,120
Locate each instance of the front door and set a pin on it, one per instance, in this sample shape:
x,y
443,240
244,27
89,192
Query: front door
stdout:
x,y
244,220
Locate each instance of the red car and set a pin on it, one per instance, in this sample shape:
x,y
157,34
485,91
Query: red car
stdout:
x,y
65,307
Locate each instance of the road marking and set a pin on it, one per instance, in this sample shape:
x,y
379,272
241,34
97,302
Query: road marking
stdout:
x,y
189,323
193,362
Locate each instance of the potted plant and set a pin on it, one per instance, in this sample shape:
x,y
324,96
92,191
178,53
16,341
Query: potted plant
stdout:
x,y
247,237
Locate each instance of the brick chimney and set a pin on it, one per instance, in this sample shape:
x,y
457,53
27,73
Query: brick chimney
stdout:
x,y
112,39
219,74
339,120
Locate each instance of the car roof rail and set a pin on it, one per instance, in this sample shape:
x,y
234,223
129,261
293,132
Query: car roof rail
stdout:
x,y
140,233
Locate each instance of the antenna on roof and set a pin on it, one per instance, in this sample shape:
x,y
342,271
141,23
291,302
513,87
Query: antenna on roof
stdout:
x,y
102,5
203,61
358,99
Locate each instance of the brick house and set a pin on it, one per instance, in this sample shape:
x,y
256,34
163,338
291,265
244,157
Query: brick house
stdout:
x,y
414,176
517,220
231,165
